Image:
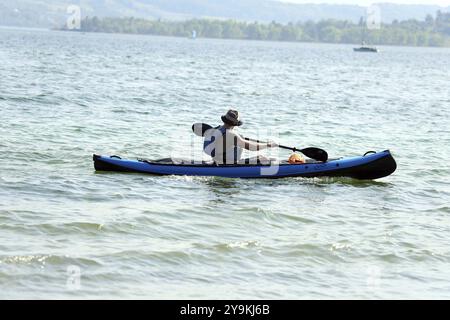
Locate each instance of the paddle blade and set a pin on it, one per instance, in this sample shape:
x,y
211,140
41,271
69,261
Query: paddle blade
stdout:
x,y
315,153
200,128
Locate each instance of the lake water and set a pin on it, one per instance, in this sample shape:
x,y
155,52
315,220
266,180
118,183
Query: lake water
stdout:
x,y
68,232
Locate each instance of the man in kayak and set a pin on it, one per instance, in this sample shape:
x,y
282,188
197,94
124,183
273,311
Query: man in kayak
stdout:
x,y
225,145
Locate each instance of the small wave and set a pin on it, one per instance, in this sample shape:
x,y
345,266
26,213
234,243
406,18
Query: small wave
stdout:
x,y
73,227
41,98
140,101
390,257
309,252
340,247
237,245
43,260
296,218
171,257
445,209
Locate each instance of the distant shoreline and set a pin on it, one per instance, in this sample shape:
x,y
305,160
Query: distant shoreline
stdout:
x,y
432,32
206,38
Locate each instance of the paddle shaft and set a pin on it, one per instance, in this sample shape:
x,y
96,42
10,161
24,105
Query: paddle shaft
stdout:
x,y
280,146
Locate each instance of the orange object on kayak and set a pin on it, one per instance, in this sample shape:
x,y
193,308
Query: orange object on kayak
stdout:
x,y
296,158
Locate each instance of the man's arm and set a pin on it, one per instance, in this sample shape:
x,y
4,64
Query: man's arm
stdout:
x,y
253,145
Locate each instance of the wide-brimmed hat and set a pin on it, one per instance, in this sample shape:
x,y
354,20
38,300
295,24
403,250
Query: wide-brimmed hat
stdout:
x,y
232,118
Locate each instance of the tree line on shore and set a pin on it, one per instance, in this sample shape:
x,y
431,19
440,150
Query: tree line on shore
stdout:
x,y
432,31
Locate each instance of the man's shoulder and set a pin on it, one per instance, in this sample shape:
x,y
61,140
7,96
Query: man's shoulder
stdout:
x,y
232,132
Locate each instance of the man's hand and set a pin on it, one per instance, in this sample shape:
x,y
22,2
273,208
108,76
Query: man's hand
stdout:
x,y
272,144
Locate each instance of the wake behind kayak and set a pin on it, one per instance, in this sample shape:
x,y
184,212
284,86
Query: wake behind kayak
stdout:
x,y
370,166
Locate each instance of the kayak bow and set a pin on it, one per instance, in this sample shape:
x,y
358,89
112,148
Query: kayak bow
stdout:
x,y
370,166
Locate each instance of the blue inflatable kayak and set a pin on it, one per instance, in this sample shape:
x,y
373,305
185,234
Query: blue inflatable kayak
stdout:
x,y
370,166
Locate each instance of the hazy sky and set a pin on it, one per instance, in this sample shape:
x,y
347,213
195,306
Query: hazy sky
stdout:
x,y
368,2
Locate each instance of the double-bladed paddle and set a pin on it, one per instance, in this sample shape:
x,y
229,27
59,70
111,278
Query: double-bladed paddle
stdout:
x,y
313,153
